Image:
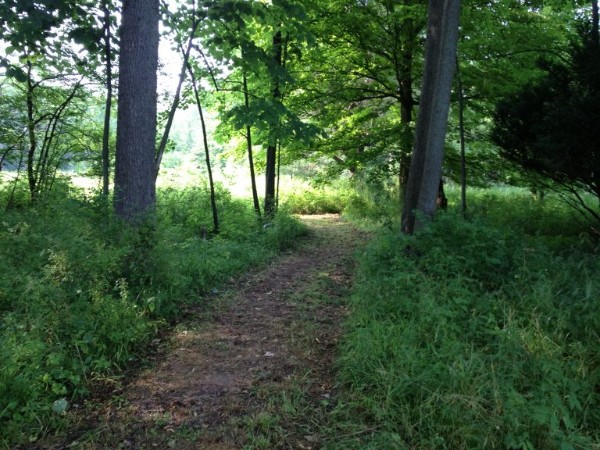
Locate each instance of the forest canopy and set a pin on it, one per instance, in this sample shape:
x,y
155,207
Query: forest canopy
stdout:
x,y
333,83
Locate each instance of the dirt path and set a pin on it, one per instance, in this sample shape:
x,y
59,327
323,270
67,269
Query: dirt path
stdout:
x,y
256,372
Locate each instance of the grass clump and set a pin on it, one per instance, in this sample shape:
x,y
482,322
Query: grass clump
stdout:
x,y
472,334
82,295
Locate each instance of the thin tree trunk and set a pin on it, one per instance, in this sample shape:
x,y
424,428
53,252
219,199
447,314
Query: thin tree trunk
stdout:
x,y
278,175
249,147
31,176
595,30
461,128
213,200
11,198
7,150
108,105
283,66
426,165
176,99
405,83
49,136
270,169
405,35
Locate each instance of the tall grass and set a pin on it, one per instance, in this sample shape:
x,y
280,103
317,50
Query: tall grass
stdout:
x,y
82,295
475,334
366,205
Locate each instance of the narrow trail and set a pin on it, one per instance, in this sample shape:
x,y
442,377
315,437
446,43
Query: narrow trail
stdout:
x,y
256,371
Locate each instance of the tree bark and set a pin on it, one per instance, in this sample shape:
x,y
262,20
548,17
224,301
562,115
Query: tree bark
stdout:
x,y
135,185
426,165
213,199
176,99
108,105
461,129
249,148
31,177
271,164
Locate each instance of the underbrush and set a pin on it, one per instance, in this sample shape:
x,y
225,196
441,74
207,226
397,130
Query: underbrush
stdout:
x,y
366,205
475,334
81,296
302,198
551,218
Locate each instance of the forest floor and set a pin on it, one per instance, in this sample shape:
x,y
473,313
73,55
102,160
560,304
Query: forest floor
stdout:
x,y
252,370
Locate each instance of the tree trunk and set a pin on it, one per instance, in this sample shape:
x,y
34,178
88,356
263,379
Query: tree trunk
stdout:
x,y
109,94
249,147
176,99
31,177
409,33
271,164
595,31
278,175
461,128
135,181
11,198
426,165
213,200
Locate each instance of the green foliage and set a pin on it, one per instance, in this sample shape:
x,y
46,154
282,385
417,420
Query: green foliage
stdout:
x,y
65,315
315,200
547,127
368,203
541,214
81,295
474,334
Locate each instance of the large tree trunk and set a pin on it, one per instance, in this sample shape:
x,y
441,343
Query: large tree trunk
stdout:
x,y
135,191
426,165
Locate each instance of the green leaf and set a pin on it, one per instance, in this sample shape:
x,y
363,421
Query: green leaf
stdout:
x,y
151,304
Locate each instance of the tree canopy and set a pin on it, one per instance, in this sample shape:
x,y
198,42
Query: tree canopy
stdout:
x,y
334,83
548,127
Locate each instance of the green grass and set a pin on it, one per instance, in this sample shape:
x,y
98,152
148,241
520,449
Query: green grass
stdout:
x,y
302,198
81,295
475,334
